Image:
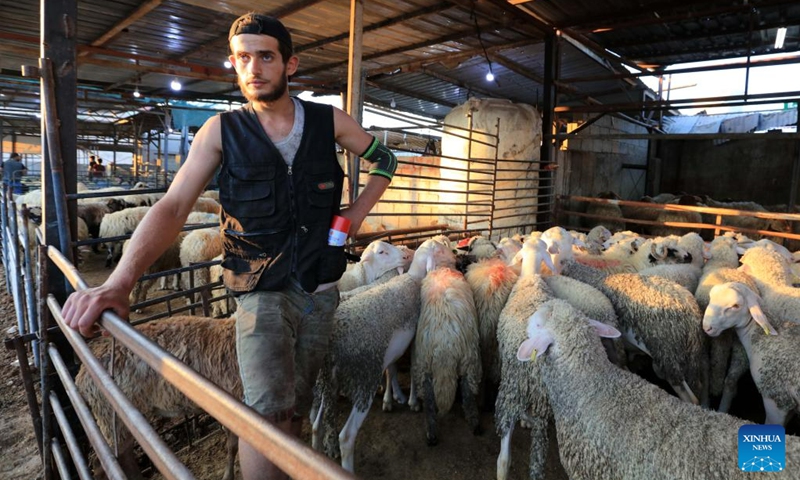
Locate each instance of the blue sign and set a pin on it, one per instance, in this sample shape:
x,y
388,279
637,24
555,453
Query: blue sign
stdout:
x,y
762,448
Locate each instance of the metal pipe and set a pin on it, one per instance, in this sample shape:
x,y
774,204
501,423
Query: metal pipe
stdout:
x,y
286,452
14,276
30,291
44,367
61,462
69,437
96,439
30,393
4,236
51,121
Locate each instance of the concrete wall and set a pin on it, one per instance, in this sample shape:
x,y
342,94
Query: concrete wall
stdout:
x,y
758,170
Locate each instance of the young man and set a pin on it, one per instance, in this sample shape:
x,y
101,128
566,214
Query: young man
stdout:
x,y
280,186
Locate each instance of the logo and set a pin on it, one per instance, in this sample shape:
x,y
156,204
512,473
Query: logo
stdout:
x,y
762,448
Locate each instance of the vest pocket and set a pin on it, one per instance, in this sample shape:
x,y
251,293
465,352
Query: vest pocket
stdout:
x,y
251,199
240,275
332,264
320,190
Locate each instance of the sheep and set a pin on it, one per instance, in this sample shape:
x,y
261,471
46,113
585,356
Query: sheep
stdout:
x,y
595,240
752,223
478,247
446,353
214,194
199,246
660,318
686,275
521,395
682,216
92,213
614,425
491,281
606,210
630,258
774,357
559,245
507,248
117,224
773,276
721,268
378,258
205,204
203,343
168,260
361,349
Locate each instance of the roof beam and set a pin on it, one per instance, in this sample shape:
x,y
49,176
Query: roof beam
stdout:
x,y
409,93
140,12
458,35
378,25
447,58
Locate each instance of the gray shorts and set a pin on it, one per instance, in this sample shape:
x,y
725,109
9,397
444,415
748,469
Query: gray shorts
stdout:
x,y
281,341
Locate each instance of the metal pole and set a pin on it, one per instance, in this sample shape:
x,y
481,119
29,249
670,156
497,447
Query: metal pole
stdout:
x,y
44,363
61,462
30,393
69,437
30,292
14,276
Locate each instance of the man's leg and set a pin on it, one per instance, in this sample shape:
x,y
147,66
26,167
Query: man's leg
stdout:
x,y
265,349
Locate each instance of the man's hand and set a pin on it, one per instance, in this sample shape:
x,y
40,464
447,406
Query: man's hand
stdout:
x,y
83,309
355,221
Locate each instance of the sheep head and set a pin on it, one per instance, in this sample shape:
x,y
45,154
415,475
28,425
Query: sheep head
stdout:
x,y
732,305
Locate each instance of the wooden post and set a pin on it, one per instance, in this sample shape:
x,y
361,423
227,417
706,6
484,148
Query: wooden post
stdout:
x,y
354,86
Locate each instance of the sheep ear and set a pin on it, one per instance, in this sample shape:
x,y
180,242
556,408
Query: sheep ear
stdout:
x,y
706,251
755,311
535,346
604,330
548,261
740,250
430,264
553,249
659,251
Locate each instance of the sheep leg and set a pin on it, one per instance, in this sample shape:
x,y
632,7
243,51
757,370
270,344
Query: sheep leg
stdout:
x,y
429,402
470,406
504,458
398,344
232,448
413,401
387,391
539,445
397,392
739,365
316,424
685,393
127,460
775,416
347,437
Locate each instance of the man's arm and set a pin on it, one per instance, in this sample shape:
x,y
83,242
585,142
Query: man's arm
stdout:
x,y
353,138
152,237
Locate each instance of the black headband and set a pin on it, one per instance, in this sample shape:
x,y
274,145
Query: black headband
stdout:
x,y
261,25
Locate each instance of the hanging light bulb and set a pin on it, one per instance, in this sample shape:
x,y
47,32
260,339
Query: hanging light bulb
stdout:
x,y
175,85
227,64
136,93
393,104
490,76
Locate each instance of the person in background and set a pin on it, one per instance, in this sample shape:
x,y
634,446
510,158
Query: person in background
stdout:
x,y
280,187
13,170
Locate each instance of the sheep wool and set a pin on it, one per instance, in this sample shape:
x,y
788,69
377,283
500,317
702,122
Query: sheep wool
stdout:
x,y
773,275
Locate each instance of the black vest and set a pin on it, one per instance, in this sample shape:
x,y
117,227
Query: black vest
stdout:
x,y
275,219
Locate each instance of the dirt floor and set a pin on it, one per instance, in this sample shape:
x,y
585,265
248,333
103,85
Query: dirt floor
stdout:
x,y
390,446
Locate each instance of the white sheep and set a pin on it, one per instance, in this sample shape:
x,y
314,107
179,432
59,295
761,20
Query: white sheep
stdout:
x,y
633,255
378,258
727,357
370,332
446,353
614,425
168,260
773,275
116,224
521,395
605,210
199,246
686,275
205,204
774,354
205,344
660,318
491,281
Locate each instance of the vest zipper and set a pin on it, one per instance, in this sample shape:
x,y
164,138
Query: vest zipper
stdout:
x,y
294,221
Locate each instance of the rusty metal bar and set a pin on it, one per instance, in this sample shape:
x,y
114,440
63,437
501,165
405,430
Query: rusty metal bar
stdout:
x,y
27,383
69,437
101,448
286,452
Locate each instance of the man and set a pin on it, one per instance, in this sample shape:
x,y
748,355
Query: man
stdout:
x,y
280,186
13,170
